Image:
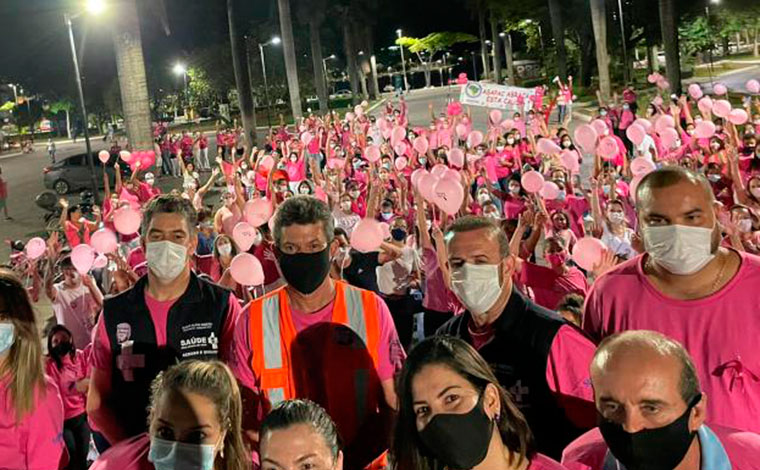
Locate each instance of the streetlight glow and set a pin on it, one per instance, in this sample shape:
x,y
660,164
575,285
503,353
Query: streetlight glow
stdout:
x,y
398,32
501,35
715,2
179,69
95,7
275,40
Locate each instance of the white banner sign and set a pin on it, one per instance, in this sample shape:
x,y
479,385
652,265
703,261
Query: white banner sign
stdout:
x,y
489,95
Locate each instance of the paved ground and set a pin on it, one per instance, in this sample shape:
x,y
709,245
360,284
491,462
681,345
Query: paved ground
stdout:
x,y
735,81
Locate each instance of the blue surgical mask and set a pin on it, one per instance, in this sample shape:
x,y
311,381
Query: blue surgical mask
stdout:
x,y
7,337
561,195
172,455
422,161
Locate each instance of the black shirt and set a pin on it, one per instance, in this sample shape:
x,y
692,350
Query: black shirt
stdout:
x,y
361,272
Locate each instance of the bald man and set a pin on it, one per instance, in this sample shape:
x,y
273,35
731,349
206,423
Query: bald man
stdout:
x,y
688,287
652,412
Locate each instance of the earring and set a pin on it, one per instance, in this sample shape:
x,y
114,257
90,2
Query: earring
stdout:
x,y
497,417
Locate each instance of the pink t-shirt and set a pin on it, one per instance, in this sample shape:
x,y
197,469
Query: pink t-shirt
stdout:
x,y
575,206
130,454
437,295
549,287
719,331
36,442
513,207
542,462
71,372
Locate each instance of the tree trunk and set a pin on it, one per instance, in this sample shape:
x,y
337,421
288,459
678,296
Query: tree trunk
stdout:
x,y
558,31
368,49
242,83
756,52
316,62
426,68
726,49
133,82
653,64
510,59
248,45
599,23
496,41
483,46
669,29
68,125
350,50
289,51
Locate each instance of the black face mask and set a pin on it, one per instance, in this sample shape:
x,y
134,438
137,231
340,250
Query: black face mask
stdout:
x,y
61,349
305,271
651,449
459,441
398,234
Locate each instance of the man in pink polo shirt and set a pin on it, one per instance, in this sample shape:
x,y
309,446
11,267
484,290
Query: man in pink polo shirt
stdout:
x,y
689,288
652,413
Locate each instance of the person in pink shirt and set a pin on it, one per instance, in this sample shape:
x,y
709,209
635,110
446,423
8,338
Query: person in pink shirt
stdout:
x,y
69,368
195,416
689,288
31,409
653,413
148,189
454,412
76,228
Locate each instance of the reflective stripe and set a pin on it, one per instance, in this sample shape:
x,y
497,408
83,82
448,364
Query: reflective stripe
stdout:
x,y
355,312
276,395
270,327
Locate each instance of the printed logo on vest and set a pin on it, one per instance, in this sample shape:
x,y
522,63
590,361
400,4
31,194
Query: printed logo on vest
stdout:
x,y
197,326
123,332
200,345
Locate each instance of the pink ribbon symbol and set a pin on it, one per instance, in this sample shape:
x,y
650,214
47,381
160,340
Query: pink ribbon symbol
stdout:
x,y
738,372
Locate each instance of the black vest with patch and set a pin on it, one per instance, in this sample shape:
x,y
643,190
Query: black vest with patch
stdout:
x,y
518,354
194,327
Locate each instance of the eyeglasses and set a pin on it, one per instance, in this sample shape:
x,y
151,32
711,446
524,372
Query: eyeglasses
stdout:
x,y
315,247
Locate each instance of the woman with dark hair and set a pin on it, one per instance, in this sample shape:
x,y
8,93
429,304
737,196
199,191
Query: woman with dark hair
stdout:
x,y
31,411
454,414
69,368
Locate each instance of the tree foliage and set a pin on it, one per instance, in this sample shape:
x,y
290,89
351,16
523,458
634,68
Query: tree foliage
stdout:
x,y
435,42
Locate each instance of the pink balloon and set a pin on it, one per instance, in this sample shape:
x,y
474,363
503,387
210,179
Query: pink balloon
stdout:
x,y
382,123
753,86
451,175
421,144
585,135
103,156
35,248
244,234
664,122
695,91
657,101
721,108
548,146
641,166
720,89
495,116
635,134
461,130
507,124
104,241
350,116
608,148
569,159
587,252
336,163
738,117
400,163
663,84
438,170
425,185
705,104
704,129
82,257
246,270
549,191
306,138
600,127
668,137
398,133
372,153
532,181
400,148
386,229
449,195
125,156
654,78
258,211
456,157
644,123
367,236
416,175
127,220
101,261
147,159
474,139
387,133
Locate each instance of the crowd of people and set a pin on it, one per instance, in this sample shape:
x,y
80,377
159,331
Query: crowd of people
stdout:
x,y
364,292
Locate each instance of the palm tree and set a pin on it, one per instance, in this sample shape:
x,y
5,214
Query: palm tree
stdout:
x,y
496,41
599,23
558,31
670,41
482,33
133,83
240,61
289,50
312,13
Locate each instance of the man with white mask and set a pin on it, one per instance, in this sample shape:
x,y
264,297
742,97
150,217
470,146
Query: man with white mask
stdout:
x,y
170,315
540,358
691,289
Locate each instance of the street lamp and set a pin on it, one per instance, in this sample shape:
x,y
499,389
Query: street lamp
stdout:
x,y
474,67
707,15
93,7
403,64
324,67
180,69
274,41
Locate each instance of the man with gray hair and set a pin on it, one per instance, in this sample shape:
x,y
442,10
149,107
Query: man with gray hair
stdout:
x,y
541,359
318,338
691,289
169,315
652,412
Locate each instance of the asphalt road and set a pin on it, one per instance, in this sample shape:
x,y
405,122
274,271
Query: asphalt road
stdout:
x,y
734,81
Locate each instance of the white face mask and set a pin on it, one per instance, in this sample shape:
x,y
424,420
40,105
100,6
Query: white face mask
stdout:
x,y
616,217
483,198
345,206
745,225
257,239
225,250
172,455
150,181
7,337
680,249
166,259
477,286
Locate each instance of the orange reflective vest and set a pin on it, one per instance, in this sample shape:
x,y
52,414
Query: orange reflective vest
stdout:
x,y
333,364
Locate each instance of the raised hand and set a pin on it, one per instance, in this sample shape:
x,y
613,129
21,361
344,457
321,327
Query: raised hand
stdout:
x,y
606,262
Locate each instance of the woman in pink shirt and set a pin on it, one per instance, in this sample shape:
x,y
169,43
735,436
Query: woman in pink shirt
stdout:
x,y
454,413
69,368
31,410
195,420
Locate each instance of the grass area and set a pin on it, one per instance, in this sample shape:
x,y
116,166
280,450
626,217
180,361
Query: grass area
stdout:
x,y
717,69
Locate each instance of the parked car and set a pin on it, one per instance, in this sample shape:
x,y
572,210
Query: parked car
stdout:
x,y
73,173
342,95
312,99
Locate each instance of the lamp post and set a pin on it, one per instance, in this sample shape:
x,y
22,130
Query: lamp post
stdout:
x,y
94,7
180,69
707,15
274,41
626,73
324,67
403,63
474,67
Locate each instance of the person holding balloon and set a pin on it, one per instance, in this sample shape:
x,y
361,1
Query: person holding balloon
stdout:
x,y
611,226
